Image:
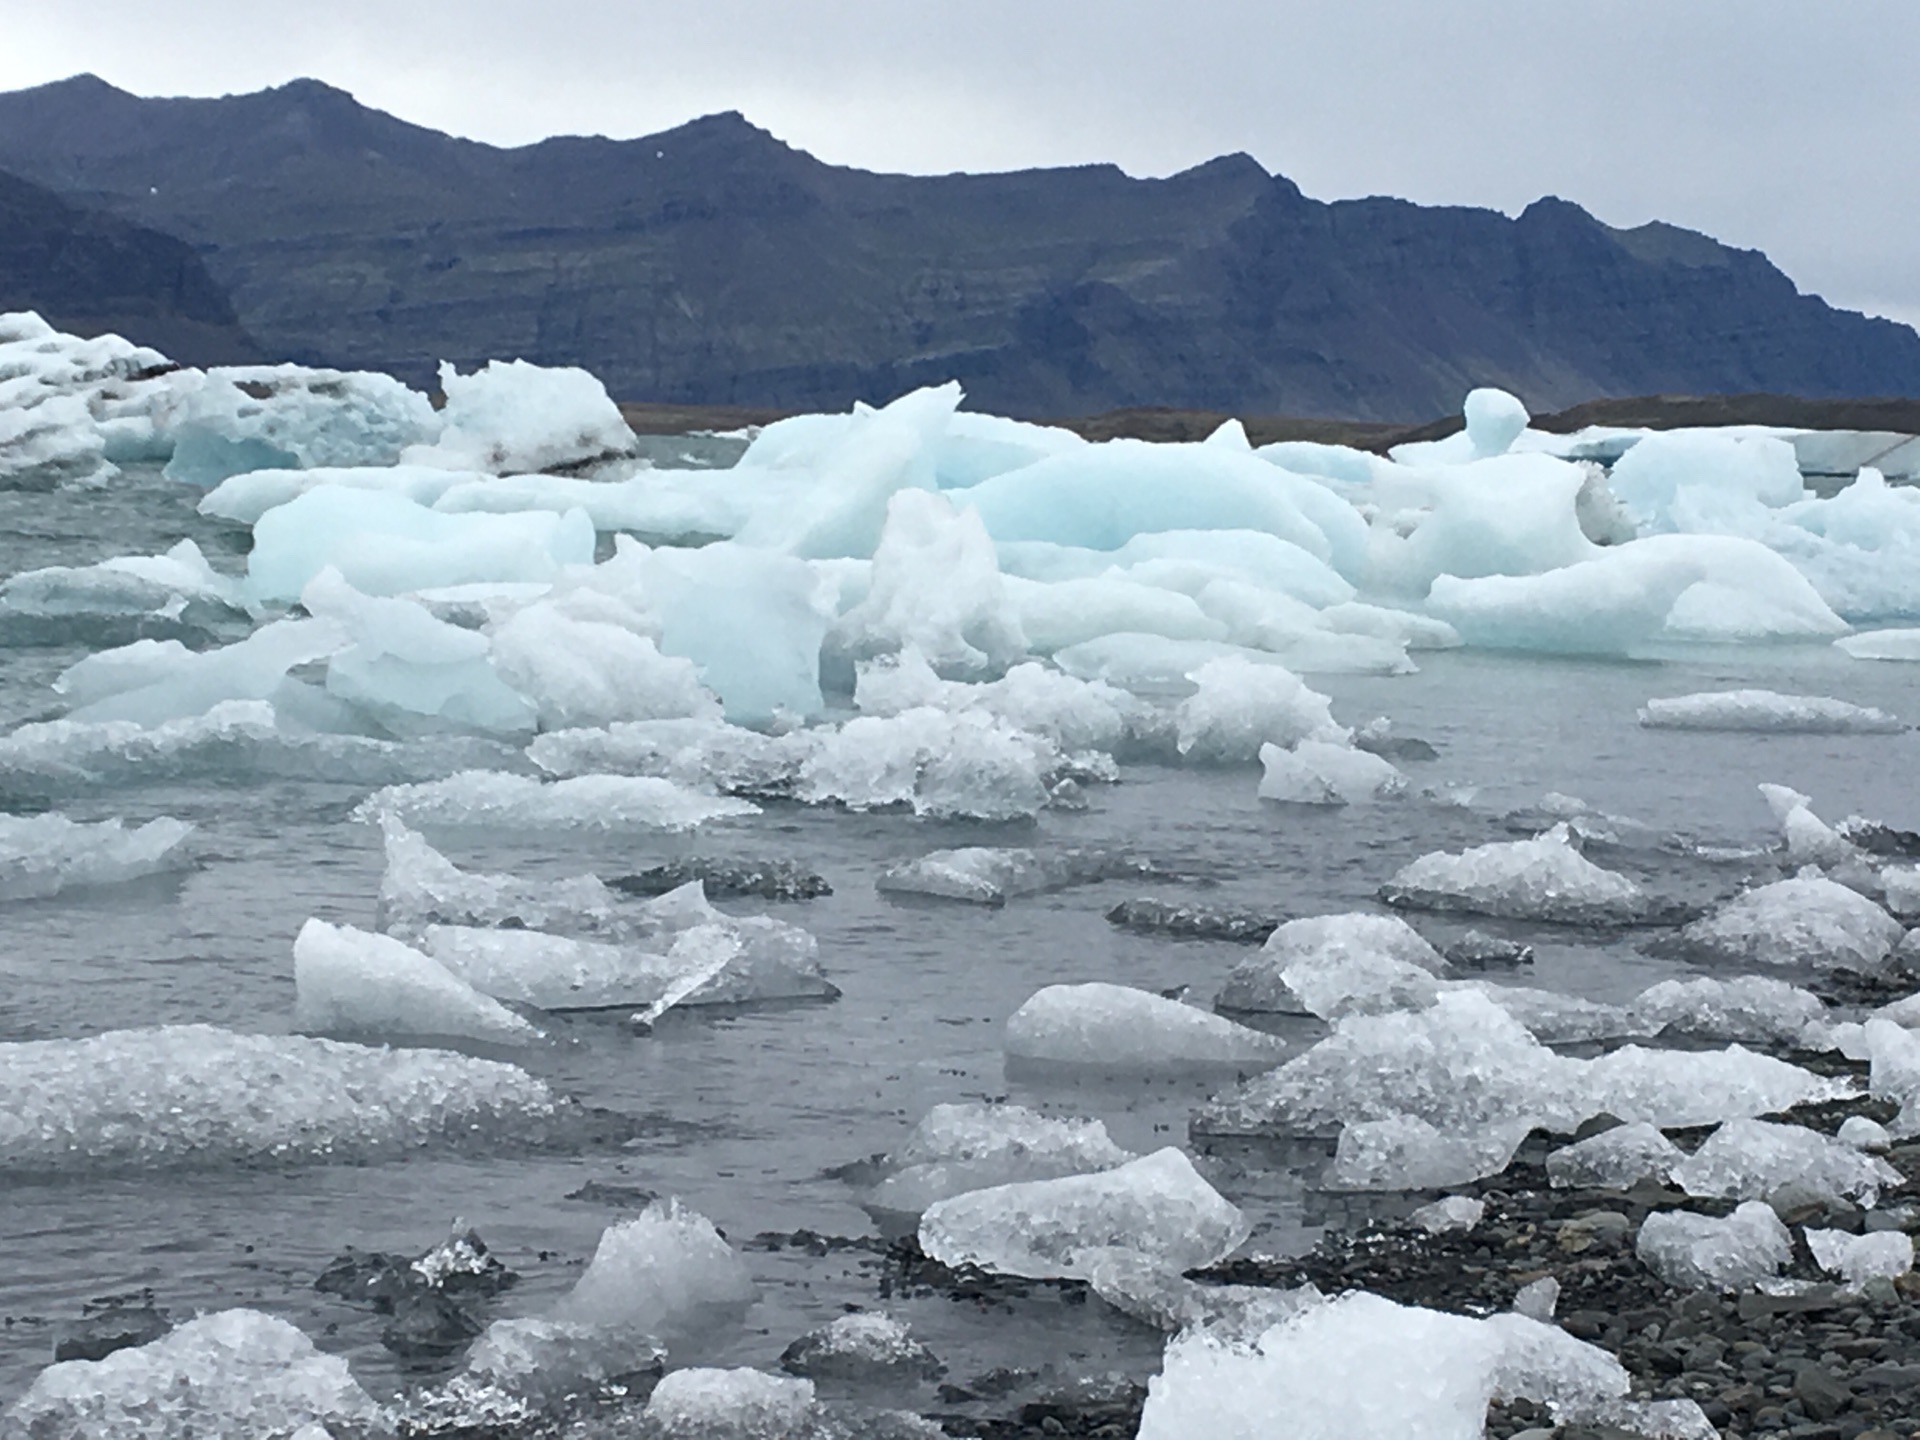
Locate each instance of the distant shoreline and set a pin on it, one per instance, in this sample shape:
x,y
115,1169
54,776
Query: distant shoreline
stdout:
x,y
1162,423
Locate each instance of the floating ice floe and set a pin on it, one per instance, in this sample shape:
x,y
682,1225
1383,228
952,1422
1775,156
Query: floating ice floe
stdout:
x,y
1857,1259
1882,645
965,766
195,1094
494,798
234,1372
352,983
511,417
1361,1367
122,598
1157,1207
1805,921
1075,715
1767,711
1545,878
984,875
42,855
1700,1252
1760,1160
152,682
1334,965
700,754
957,1148
245,497
1317,772
1615,1159
1105,1028
421,887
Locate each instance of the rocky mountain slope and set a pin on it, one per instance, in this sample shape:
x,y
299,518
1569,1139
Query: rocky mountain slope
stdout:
x,y
711,264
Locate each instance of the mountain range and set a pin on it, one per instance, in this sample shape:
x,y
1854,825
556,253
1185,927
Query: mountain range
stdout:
x,y
713,264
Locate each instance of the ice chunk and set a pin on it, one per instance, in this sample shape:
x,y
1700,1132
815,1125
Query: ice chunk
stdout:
x,y
1068,613
511,417
1864,1134
1454,1212
1609,605
43,855
1157,1207
1699,1252
1545,878
51,442
234,1372
1238,706
1076,715
1105,1027
182,1094
1406,1153
1757,1159
1767,711
1856,1259
1319,772
289,417
1616,1159
986,876
707,1404
666,1273
153,682
421,887
1810,840
1804,921
1511,515
738,961
700,754
866,1345
1333,965
245,497
1753,1009
1895,1075
1494,419
1748,592
586,671
1364,1368
585,802
1701,480
1188,561
957,1148
382,543
61,603
967,765
1401,627
350,982
1882,645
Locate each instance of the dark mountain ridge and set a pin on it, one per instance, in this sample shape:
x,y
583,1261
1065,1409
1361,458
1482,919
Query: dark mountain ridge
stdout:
x,y
712,264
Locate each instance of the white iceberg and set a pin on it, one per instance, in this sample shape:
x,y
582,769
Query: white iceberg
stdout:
x,y
1882,645
511,417
1319,772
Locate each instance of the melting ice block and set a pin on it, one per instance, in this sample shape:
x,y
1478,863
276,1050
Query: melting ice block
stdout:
x,y
985,875
234,1372
1115,1028
1609,605
1767,711
866,1345
1882,645
585,670
1075,715
957,1148
1856,1259
1757,1160
185,1094
709,1404
42,855
494,798
1700,1252
511,417
421,887
66,602
1317,772
1406,1153
152,682
245,497
1545,878
1363,1368
1334,965
965,766
1753,1009
700,754
1808,920
665,1273
1238,706
350,982
1616,1159
1157,1207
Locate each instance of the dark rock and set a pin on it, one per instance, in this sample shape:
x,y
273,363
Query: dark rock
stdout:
x,y
725,879
1477,950
1192,922
428,1323
115,1325
432,1300
601,1192
1820,1393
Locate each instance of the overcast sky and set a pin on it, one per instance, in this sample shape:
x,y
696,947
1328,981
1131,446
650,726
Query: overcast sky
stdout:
x,y
1784,125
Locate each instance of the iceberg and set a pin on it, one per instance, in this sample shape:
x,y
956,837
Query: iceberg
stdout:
x,y
1769,712
511,417
152,682
958,1148
968,766
43,855
582,671
195,1094
1699,1252
149,595
1075,715
1157,1207
234,1372
1101,1027
1700,480
352,983
665,1274
494,798
1545,878
1805,921
700,754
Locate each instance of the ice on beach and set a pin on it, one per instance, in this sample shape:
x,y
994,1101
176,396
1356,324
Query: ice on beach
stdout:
x,y
1157,1207
1701,1252
1238,706
233,1372
1616,1159
1362,1367
1335,965
665,1274
510,417
1882,645
1450,1213
42,855
730,962
1101,1027
1805,921
227,421
709,1404
1319,772
1404,1152
967,765
1545,878
353,983
971,1146
1856,1259
498,800
194,1094
1758,1160
383,543
1767,711
985,875
1751,1009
